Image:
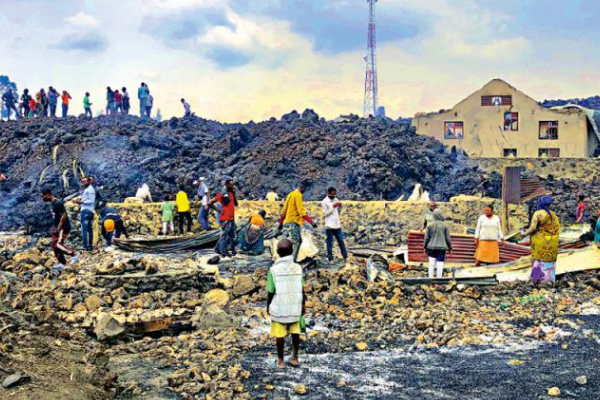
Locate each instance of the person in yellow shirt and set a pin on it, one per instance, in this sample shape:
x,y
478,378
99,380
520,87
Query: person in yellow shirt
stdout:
x,y
182,204
293,217
272,196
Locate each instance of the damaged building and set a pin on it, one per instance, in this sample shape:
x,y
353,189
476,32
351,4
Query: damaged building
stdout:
x,y
500,121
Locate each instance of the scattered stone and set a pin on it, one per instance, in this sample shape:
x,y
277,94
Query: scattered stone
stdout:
x,y
582,380
554,392
243,284
300,389
93,303
15,379
217,297
362,346
108,327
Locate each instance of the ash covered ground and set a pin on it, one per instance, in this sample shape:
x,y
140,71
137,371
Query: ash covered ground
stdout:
x,y
366,159
133,326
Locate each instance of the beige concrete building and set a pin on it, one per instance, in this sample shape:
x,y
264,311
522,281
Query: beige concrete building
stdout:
x,y
500,121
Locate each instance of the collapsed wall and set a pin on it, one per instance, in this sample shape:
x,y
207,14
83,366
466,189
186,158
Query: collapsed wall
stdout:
x,y
366,159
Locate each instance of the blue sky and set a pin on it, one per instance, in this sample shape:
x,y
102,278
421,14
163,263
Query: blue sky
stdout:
x,y
241,60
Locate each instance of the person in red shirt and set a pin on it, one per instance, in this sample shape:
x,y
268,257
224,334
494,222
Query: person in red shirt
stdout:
x,y
119,102
580,211
228,202
32,108
65,103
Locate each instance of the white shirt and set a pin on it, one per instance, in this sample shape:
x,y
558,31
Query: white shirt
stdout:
x,y
489,228
286,307
205,200
330,213
202,189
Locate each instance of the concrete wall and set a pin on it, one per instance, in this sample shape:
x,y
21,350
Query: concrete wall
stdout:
x,y
484,134
585,169
375,223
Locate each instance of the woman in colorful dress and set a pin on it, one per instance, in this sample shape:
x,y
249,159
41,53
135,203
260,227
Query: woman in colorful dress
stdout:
x,y
544,231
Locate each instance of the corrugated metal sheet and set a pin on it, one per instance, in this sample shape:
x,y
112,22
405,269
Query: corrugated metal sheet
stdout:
x,y
463,249
531,187
511,185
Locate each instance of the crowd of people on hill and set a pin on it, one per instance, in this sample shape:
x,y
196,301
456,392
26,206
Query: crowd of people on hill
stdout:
x,y
45,103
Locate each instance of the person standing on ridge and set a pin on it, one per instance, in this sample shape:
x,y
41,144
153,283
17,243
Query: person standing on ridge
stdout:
x,y
293,217
110,101
126,101
25,103
61,227
87,105
53,100
142,94
43,103
118,102
187,108
66,97
149,103
9,102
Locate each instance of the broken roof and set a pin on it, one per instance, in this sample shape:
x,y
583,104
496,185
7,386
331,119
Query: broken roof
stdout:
x,y
592,115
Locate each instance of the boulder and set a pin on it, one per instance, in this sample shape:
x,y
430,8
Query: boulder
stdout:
x,y
107,327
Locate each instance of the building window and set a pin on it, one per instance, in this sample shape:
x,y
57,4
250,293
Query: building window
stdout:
x,y
552,153
453,130
511,121
549,130
510,153
488,101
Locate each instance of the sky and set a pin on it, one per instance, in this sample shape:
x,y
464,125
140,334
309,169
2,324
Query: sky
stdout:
x,y
242,60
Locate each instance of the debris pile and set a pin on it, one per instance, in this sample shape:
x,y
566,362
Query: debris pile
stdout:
x,y
157,337
365,159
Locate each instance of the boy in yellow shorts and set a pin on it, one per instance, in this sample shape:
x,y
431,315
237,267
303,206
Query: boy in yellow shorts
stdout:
x,y
285,302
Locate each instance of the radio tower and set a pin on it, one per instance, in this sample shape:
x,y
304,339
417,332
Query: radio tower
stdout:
x,y
371,90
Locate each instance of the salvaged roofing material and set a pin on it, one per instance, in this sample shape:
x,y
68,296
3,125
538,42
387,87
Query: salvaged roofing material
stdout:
x,y
531,187
574,261
169,244
463,249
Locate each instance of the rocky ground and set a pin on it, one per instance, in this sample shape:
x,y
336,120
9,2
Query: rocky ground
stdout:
x,y
133,326
365,159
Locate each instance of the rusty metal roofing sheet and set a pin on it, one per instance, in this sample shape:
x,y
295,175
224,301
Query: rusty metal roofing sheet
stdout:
x,y
463,249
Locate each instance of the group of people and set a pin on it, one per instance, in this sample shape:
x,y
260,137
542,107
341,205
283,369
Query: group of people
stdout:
x,y
42,104
45,103
543,232
92,204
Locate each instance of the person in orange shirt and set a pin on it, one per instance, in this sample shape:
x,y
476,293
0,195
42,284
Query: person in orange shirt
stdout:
x,y
65,103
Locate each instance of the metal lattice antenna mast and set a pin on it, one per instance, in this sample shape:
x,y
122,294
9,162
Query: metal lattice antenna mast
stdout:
x,y
371,87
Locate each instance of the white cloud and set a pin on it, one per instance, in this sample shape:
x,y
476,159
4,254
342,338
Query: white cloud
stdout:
x,y
182,5
248,35
83,20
